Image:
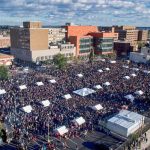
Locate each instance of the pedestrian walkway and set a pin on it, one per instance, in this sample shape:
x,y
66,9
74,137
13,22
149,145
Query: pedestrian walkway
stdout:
x,y
145,144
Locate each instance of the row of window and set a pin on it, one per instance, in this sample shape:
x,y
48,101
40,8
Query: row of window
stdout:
x,y
85,51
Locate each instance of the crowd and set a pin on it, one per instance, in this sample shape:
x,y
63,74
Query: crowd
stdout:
x,y
27,126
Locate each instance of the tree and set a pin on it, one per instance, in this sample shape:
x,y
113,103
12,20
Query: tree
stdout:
x,y
1,134
3,73
91,56
60,61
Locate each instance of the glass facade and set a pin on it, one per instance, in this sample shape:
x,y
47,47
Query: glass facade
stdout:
x,y
86,45
103,44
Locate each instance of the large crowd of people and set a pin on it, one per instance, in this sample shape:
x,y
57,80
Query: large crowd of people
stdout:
x,y
44,120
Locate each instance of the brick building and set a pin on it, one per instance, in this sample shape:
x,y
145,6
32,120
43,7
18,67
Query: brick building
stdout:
x,y
4,42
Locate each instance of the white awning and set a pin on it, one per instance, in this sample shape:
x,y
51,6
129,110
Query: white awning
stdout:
x,y
79,121
2,91
52,81
126,77
84,91
39,83
130,97
61,130
139,92
97,107
67,96
45,103
22,87
124,66
27,109
98,87
103,60
100,70
107,83
112,61
107,69
80,75
135,69
133,75
146,71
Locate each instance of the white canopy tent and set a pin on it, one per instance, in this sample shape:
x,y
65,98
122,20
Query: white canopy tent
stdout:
x,y
45,103
139,92
2,91
112,61
67,96
103,60
97,107
124,66
84,91
22,87
107,69
61,130
98,87
126,77
39,83
133,75
27,109
80,75
130,97
107,83
100,70
52,81
146,71
79,121
135,69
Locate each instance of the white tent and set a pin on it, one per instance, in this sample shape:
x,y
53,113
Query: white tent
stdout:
x,y
133,75
136,69
61,130
112,61
146,71
52,81
80,75
98,87
45,103
107,83
139,92
67,96
100,70
84,91
79,121
127,77
22,87
97,107
39,83
103,60
124,66
27,109
130,97
107,69
2,91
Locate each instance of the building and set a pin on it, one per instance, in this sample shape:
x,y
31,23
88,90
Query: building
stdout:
x,y
122,48
31,43
125,123
56,35
6,60
142,57
142,35
88,38
128,34
4,41
103,42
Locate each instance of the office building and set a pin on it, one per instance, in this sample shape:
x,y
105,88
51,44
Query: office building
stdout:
x,y
31,43
142,35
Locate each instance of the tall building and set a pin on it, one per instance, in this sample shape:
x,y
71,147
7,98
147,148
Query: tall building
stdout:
x,y
31,43
142,35
128,34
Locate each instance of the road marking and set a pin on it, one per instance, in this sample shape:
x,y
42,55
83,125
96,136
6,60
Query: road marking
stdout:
x,y
72,141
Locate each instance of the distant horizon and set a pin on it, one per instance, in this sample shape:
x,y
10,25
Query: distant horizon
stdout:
x,y
95,12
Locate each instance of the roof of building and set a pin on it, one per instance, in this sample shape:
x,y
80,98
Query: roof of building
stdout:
x,y
126,119
5,56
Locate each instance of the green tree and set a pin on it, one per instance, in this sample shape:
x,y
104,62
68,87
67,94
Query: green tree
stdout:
x,y
91,56
3,73
60,61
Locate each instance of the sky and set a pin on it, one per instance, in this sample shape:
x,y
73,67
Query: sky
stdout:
x,y
85,12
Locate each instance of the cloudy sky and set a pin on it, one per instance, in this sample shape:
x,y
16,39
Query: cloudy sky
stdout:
x,y
89,12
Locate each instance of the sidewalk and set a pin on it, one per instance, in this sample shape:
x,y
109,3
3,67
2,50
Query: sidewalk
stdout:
x,y
145,144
